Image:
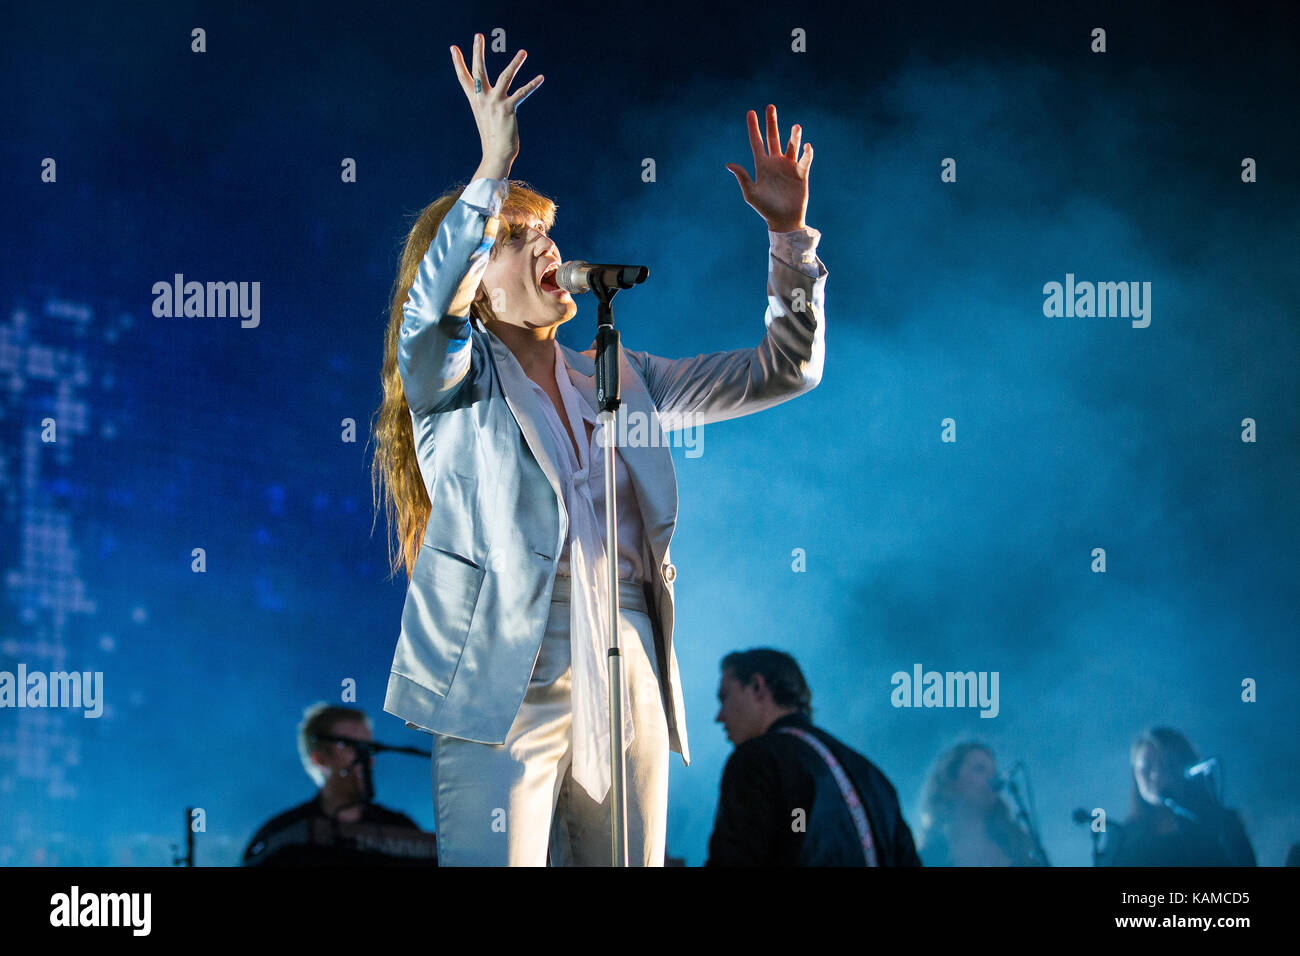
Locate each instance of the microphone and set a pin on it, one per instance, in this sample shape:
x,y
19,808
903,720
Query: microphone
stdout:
x,y
1179,810
577,276
999,783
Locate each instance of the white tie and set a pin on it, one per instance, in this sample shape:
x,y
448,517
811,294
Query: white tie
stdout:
x,y
588,627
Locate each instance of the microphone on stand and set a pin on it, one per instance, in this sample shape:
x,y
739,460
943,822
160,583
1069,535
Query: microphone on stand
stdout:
x,y
577,276
1025,809
1180,810
1083,817
606,281
1206,774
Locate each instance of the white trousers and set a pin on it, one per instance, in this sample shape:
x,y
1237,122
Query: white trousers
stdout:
x,y
509,804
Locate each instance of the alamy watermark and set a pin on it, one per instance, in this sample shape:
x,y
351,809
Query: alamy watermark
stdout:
x,y
637,429
1124,300
75,908
213,300
946,689
73,689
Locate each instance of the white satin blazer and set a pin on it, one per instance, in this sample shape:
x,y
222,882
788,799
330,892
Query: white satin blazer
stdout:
x,y
479,595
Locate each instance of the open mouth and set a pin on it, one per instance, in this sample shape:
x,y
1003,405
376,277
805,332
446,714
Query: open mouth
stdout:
x,y
548,283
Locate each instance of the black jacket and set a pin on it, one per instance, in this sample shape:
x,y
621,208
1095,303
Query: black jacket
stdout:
x,y
769,779
281,841
1218,839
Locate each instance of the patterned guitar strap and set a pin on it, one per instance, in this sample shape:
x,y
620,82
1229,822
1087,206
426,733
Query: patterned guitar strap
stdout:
x,y
856,809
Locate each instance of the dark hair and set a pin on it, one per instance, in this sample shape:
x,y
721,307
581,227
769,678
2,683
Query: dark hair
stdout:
x,y
1175,754
780,672
317,720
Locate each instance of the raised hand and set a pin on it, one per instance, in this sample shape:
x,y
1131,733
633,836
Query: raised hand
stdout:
x,y
494,111
779,190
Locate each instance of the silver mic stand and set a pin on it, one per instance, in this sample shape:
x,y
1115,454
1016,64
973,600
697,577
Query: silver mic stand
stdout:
x,y
606,282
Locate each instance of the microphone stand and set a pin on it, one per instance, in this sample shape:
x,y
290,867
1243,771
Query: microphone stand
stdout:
x,y
188,858
1215,816
366,750
1023,814
1084,818
607,404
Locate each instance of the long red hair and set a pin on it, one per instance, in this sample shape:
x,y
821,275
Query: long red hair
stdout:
x,y
395,472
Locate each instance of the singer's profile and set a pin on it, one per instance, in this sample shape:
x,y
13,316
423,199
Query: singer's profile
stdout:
x,y
486,456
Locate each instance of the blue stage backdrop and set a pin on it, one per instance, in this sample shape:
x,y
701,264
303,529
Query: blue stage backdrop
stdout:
x,y
938,502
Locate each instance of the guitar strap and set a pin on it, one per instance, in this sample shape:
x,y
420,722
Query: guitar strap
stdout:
x,y
856,810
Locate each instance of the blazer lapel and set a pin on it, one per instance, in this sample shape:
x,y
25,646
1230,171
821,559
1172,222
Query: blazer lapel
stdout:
x,y
649,466
528,413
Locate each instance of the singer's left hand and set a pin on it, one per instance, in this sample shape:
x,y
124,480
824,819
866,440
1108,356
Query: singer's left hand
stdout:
x,y
779,190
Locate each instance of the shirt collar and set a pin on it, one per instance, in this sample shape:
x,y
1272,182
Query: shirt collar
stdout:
x,y
790,720
568,391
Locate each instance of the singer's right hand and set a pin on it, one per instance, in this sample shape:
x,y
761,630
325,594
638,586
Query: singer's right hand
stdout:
x,y
494,111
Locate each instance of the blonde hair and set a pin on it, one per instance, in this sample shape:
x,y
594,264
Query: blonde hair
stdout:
x,y
938,800
395,471
319,720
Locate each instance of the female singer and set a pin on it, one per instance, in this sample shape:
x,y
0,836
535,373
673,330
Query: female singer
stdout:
x,y
491,462
1175,819
964,820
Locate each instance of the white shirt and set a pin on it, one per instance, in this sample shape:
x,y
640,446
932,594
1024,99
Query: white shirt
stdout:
x,y
589,470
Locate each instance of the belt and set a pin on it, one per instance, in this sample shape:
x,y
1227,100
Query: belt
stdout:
x,y
631,594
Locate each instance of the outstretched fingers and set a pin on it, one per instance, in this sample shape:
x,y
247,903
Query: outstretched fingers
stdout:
x,y
755,139
508,74
792,151
462,71
466,76
479,70
807,158
525,91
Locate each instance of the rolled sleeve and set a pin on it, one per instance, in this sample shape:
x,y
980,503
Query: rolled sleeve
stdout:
x,y
797,249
